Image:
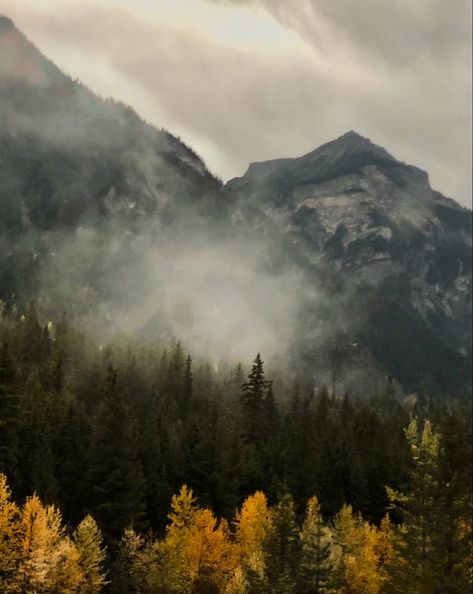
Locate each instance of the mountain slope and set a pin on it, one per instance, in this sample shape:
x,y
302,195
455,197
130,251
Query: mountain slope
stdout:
x,y
69,159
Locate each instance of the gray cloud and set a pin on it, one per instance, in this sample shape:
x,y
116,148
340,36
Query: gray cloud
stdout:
x,y
397,72
398,32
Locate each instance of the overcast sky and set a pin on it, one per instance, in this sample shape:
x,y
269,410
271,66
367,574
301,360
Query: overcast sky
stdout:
x,y
250,80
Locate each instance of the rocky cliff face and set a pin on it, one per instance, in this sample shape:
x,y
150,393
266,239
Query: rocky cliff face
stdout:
x,y
90,194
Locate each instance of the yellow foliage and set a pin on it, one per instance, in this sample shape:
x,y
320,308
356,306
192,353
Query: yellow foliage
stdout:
x,y
10,552
253,522
362,546
197,549
49,559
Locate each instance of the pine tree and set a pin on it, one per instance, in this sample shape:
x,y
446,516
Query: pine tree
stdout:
x,y
35,441
433,542
9,414
74,437
282,548
115,474
88,541
254,427
317,553
418,508
454,524
188,388
253,397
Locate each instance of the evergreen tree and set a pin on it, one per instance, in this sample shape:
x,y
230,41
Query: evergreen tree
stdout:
x,y
436,526
74,437
115,475
88,541
282,548
188,388
317,553
454,525
253,400
419,511
9,415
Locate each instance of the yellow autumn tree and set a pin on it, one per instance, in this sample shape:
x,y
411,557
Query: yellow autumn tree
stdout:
x,y
49,560
252,525
386,549
197,553
358,540
10,550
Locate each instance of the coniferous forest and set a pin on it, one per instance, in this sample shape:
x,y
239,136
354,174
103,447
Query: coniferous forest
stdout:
x,y
130,467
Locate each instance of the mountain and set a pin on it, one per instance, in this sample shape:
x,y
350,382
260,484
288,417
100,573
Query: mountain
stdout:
x,y
399,251
345,255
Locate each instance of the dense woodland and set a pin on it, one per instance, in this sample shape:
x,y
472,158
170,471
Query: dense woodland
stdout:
x,y
129,467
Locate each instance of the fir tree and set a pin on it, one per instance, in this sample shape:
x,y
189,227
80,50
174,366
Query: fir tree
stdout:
x,y
253,398
317,553
115,475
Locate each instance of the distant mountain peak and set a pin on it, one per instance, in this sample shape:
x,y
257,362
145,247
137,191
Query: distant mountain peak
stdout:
x,y
349,143
354,135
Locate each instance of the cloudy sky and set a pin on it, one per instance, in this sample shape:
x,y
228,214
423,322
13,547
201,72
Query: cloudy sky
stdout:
x,y
250,80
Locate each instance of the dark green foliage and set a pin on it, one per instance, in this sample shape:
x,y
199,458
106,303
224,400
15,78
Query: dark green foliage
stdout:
x,y
9,415
115,472
282,546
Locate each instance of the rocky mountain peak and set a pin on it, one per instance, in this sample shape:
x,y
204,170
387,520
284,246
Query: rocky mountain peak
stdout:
x,y
350,144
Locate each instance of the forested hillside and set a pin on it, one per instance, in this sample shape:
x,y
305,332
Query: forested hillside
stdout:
x,y
181,477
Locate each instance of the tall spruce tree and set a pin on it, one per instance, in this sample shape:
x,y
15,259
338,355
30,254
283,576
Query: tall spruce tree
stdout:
x,y
115,476
254,391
